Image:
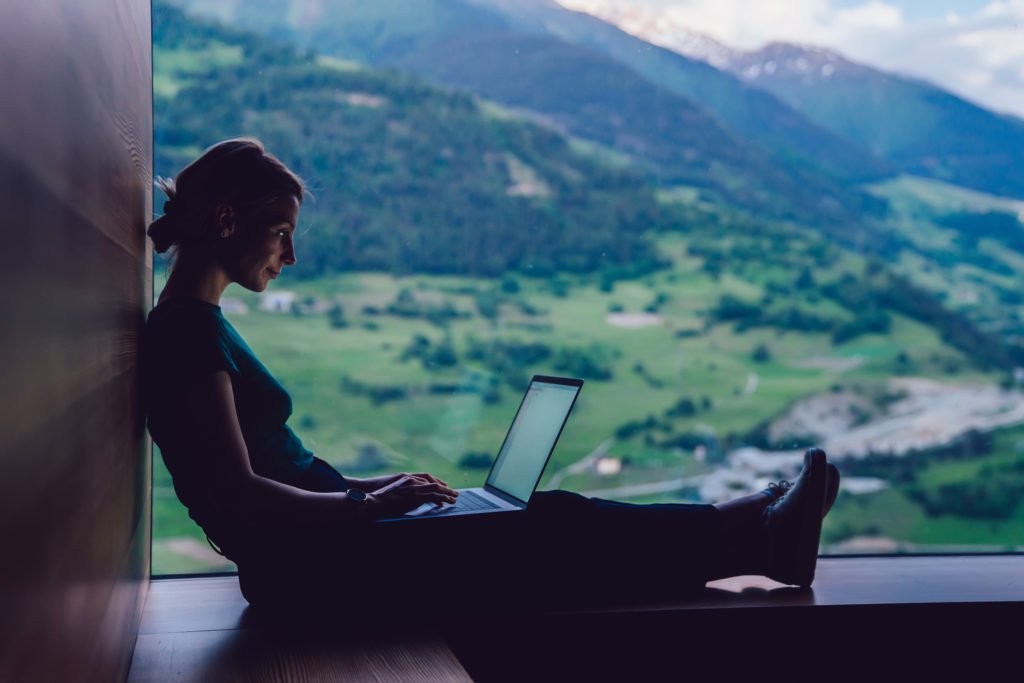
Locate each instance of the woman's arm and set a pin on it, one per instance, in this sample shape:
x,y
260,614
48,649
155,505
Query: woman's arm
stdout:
x,y
210,417
371,484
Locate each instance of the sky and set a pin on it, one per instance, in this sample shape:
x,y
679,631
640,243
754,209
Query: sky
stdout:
x,y
974,48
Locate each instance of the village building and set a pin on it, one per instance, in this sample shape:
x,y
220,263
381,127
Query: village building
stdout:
x,y
277,302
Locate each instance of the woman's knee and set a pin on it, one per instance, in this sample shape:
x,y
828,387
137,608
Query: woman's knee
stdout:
x,y
558,501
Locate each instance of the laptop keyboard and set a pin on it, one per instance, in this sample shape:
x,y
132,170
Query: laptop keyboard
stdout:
x,y
470,501
467,502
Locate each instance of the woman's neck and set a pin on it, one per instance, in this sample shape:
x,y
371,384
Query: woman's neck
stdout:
x,y
195,278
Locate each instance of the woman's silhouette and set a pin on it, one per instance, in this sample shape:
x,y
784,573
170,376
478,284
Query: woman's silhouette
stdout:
x,y
301,531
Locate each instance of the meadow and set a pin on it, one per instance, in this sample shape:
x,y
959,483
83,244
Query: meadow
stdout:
x,y
699,296
425,373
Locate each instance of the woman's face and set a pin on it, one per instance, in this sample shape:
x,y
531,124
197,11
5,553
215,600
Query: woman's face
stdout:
x,y
263,245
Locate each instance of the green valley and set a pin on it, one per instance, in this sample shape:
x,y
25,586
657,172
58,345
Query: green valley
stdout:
x,y
456,244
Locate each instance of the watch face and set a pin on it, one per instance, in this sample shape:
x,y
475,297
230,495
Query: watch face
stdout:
x,y
356,495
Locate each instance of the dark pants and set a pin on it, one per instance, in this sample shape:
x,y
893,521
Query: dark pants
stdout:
x,y
564,549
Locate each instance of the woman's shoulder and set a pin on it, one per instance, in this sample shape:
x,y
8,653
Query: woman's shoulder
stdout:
x,y
189,329
185,308
185,317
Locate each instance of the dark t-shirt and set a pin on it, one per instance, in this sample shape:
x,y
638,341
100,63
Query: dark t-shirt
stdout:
x,y
185,340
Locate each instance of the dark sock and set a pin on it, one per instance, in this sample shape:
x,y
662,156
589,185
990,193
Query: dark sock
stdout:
x,y
744,547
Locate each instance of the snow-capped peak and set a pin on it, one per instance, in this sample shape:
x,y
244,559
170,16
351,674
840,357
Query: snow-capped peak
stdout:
x,y
786,60
658,28
669,30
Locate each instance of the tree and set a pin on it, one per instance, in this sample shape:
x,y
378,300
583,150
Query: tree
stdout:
x,y
761,354
684,407
475,461
509,284
336,317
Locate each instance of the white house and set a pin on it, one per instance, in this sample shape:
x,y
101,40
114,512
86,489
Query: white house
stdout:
x,y
277,302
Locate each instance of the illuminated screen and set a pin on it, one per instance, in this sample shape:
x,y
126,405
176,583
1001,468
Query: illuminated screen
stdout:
x,y
531,438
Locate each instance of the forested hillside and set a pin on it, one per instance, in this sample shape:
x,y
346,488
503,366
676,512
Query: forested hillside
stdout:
x,y
677,120
406,177
454,245
753,113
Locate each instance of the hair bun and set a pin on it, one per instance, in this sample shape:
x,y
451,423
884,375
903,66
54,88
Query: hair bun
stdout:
x,y
163,231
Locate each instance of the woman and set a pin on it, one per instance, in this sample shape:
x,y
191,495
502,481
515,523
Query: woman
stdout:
x,y
301,531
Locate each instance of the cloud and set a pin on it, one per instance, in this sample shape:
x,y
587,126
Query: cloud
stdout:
x,y
975,52
979,56
875,16
745,24
750,24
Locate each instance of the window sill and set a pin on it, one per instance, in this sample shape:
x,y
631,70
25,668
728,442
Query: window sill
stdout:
x,y
892,580
840,582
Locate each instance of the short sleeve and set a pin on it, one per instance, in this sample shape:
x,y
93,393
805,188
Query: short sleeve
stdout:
x,y
204,349
182,343
186,343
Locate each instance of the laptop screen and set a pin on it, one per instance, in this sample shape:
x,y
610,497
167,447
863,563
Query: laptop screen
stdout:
x,y
532,436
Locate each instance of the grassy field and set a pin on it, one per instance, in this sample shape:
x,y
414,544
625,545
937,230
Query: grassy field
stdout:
x,y
982,285
716,369
894,514
730,380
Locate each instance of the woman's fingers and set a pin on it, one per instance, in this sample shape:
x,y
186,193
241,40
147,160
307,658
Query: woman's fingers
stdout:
x,y
426,476
443,488
436,498
407,480
423,486
433,493
409,492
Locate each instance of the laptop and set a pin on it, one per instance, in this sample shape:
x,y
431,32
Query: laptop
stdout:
x,y
524,454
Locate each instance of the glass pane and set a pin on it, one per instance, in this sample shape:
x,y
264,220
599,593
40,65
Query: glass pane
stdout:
x,y
744,250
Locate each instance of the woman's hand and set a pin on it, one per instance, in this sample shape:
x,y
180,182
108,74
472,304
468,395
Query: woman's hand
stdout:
x,y
408,492
371,484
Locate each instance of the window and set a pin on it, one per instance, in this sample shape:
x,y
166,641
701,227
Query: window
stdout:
x,y
743,251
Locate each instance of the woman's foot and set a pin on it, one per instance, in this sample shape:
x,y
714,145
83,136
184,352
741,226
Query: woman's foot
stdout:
x,y
777,489
793,522
752,505
831,487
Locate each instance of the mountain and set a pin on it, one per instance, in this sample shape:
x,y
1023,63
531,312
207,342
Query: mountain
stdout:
x,y
916,126
581,76
919,127
765,120
406,177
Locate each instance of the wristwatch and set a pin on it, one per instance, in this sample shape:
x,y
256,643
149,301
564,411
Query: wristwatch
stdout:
x,y
358,499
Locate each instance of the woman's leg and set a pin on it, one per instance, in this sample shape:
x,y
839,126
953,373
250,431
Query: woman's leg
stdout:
x,y
563,548
666,548
622,550
420,566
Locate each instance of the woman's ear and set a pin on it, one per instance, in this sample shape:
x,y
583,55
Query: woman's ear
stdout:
x,y
226,222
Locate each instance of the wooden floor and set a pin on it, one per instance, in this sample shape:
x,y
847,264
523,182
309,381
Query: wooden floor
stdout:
x,y
201,629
